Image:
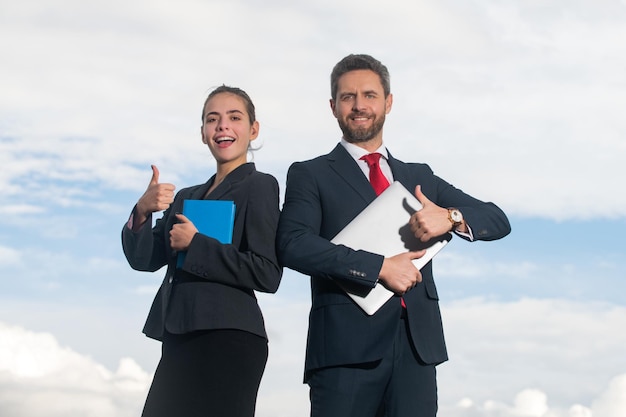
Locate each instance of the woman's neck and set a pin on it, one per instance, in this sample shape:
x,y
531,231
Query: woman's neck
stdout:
x,y
222,172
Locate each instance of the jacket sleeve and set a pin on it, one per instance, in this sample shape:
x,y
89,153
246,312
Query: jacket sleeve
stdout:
x,y
145,249
487,221
300,243
252,263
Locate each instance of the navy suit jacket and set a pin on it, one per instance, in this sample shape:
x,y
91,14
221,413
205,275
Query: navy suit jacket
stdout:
x,y
322,196
215,287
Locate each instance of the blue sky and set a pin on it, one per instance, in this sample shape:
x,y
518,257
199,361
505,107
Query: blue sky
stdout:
x,y
516,102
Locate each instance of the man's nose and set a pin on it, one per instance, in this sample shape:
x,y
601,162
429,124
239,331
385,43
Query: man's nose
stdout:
x,y
358,104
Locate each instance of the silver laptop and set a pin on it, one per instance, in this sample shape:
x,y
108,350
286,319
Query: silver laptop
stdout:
x,y
383,228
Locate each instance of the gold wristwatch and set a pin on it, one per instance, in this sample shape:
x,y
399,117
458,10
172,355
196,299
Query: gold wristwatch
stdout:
x,y
455,217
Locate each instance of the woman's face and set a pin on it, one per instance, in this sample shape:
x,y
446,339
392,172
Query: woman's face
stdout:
x,y
227,130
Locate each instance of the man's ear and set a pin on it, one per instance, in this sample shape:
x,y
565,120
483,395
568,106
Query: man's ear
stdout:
x,y
333,107
388,103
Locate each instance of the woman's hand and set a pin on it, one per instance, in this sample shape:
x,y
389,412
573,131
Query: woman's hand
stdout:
x,y
182,233
158,196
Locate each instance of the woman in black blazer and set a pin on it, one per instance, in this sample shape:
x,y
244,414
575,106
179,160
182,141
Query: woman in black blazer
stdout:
x,y
214,344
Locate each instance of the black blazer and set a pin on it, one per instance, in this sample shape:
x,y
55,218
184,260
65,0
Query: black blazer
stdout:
x,y
215,287
322,196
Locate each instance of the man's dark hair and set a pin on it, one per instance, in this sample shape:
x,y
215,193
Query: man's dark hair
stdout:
x,y
359,62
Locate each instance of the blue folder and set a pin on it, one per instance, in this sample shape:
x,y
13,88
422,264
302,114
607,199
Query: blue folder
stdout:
x,y
214,218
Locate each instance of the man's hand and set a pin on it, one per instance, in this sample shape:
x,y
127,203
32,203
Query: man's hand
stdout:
x,y
398,273
182,233
431,221
158,196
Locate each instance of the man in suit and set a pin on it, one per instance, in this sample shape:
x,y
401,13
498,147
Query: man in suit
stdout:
x,y
359,365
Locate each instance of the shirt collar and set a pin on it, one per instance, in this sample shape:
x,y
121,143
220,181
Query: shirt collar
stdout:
x,y
357,152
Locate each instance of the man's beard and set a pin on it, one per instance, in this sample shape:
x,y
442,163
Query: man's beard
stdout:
x,y
361,135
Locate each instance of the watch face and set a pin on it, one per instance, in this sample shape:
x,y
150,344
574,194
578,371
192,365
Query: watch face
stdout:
x,y
456,216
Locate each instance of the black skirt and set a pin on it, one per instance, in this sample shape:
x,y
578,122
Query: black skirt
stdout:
x,y
213,373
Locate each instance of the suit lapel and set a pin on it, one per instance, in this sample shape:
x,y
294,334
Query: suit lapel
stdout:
x,y
398,169
200,192
346,167
231,179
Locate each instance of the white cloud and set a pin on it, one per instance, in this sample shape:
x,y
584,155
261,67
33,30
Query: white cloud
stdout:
x,y
455,263
9,256
498,349
531,358
530,93
532,403
38,377
282,393
527,403
146,289
612,402
21,209
579,411
525,90
535,403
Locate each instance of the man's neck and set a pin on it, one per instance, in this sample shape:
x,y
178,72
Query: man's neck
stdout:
x,y
370,145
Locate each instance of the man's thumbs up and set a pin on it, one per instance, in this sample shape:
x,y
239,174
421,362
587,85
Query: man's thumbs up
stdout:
x,y
429,222
421,197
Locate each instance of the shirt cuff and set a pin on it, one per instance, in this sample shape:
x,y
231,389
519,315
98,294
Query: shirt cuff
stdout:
x,y
469,234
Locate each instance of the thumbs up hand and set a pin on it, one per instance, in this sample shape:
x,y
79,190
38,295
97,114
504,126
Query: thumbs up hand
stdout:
x,y
431,221
158,196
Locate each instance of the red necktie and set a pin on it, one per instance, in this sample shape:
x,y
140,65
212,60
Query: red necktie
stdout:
x,y
377,179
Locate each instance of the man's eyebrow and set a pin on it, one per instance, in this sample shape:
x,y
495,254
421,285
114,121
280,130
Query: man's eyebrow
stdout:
x,y
352,93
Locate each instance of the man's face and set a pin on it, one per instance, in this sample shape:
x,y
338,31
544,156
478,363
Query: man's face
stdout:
x,y
360,106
